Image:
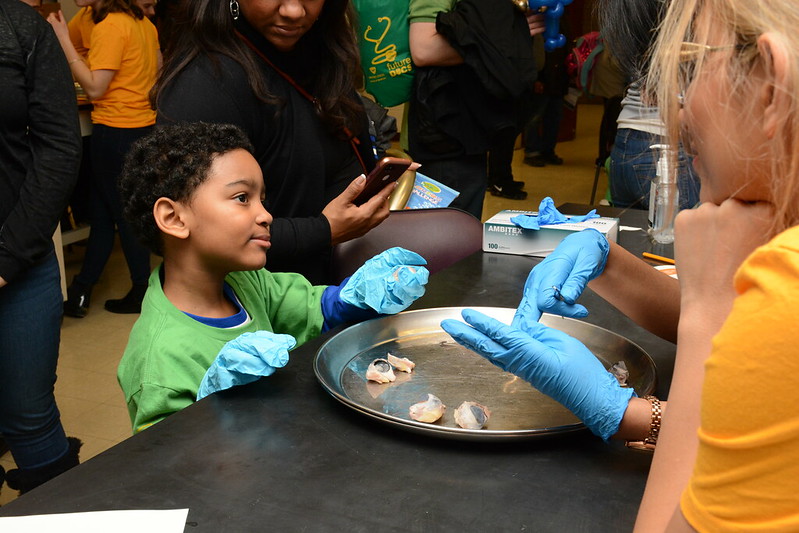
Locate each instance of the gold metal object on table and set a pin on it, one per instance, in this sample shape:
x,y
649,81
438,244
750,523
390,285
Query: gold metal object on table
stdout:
x,y
456,374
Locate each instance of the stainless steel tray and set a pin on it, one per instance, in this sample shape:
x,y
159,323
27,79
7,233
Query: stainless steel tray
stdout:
x,y
456,374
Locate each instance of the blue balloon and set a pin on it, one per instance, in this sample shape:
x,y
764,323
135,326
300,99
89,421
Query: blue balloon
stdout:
x,y
553,10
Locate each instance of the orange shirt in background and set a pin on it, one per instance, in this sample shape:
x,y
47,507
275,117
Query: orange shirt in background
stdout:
x,y
129,47
80,31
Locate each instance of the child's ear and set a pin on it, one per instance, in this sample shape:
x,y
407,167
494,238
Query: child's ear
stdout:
x,y
776,99
170,216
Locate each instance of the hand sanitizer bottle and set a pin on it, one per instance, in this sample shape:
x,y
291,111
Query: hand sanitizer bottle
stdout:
x,y
663,197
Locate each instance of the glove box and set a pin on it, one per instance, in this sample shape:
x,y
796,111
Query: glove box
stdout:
x,y
500,235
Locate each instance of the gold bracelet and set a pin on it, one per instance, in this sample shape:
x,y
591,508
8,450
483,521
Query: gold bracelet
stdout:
x,y
651,439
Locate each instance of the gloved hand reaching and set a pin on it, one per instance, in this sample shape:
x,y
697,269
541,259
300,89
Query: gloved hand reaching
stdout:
x,y
387,283
558,365
245,359
578,259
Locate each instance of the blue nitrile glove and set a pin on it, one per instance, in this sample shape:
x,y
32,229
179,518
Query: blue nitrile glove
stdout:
x,y
336,311
578,259
388,283
549,214
558,365
246,358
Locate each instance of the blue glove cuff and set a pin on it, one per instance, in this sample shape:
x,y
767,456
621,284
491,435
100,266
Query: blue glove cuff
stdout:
x,y
336,311
605,422
604,248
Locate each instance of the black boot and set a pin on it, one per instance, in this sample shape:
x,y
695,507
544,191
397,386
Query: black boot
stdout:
x,y
78,299
26,480
131,303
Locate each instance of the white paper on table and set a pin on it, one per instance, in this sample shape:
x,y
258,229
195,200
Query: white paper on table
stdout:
x,y
128,521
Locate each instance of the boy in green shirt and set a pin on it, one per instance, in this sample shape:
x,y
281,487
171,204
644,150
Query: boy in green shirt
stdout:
x,y
193,193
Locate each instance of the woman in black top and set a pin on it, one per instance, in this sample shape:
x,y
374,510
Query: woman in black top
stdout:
x,y
283,71
39,157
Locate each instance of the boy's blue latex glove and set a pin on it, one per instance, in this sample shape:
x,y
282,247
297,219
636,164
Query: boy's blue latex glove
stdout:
x,y
387,283
578,259
558,365
246,358
336,311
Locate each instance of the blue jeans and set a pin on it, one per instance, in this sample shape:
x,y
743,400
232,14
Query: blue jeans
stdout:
x,y
30,331
633,166
108,147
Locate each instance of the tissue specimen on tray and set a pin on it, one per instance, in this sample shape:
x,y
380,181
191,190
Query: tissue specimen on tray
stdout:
x,y
380,371
620,372
403,364
471,415
428,410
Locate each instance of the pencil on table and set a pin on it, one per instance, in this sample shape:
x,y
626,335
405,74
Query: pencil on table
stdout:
x,y
658,258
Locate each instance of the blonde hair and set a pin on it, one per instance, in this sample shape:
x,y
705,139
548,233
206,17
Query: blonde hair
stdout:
x,y
742,22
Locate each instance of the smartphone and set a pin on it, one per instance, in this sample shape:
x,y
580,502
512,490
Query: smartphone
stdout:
x,y
387,170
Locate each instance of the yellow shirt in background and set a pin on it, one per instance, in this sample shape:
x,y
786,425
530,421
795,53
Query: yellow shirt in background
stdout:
x,y
746,476
130,47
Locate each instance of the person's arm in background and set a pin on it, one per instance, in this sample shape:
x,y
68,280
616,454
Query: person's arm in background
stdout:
x,y
430,49
55,144
94,82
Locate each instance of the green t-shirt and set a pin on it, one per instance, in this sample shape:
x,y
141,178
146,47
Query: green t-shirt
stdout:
x,y
169,352
426,10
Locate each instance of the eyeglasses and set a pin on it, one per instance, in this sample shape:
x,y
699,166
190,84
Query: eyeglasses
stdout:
x,y
689,53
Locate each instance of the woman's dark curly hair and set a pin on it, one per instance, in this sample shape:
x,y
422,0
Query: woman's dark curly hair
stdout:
x,y
171,162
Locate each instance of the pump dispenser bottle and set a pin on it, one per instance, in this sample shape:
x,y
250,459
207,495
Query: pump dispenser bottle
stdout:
x,y
663,197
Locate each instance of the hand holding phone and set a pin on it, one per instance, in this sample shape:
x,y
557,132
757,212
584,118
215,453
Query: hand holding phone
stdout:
x,y
387,170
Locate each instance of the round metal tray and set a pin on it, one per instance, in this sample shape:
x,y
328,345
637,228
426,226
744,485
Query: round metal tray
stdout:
x,y
456,374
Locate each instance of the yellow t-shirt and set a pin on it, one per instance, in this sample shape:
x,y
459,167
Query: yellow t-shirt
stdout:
x,y
80,30
746,476
130,47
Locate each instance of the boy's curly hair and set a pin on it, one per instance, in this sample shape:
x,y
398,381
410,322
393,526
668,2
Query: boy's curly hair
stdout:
x,y
171,162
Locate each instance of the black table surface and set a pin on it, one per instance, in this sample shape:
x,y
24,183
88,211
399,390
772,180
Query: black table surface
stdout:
x,y
281,454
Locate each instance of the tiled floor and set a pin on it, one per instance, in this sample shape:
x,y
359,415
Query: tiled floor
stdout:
x,y
91,403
